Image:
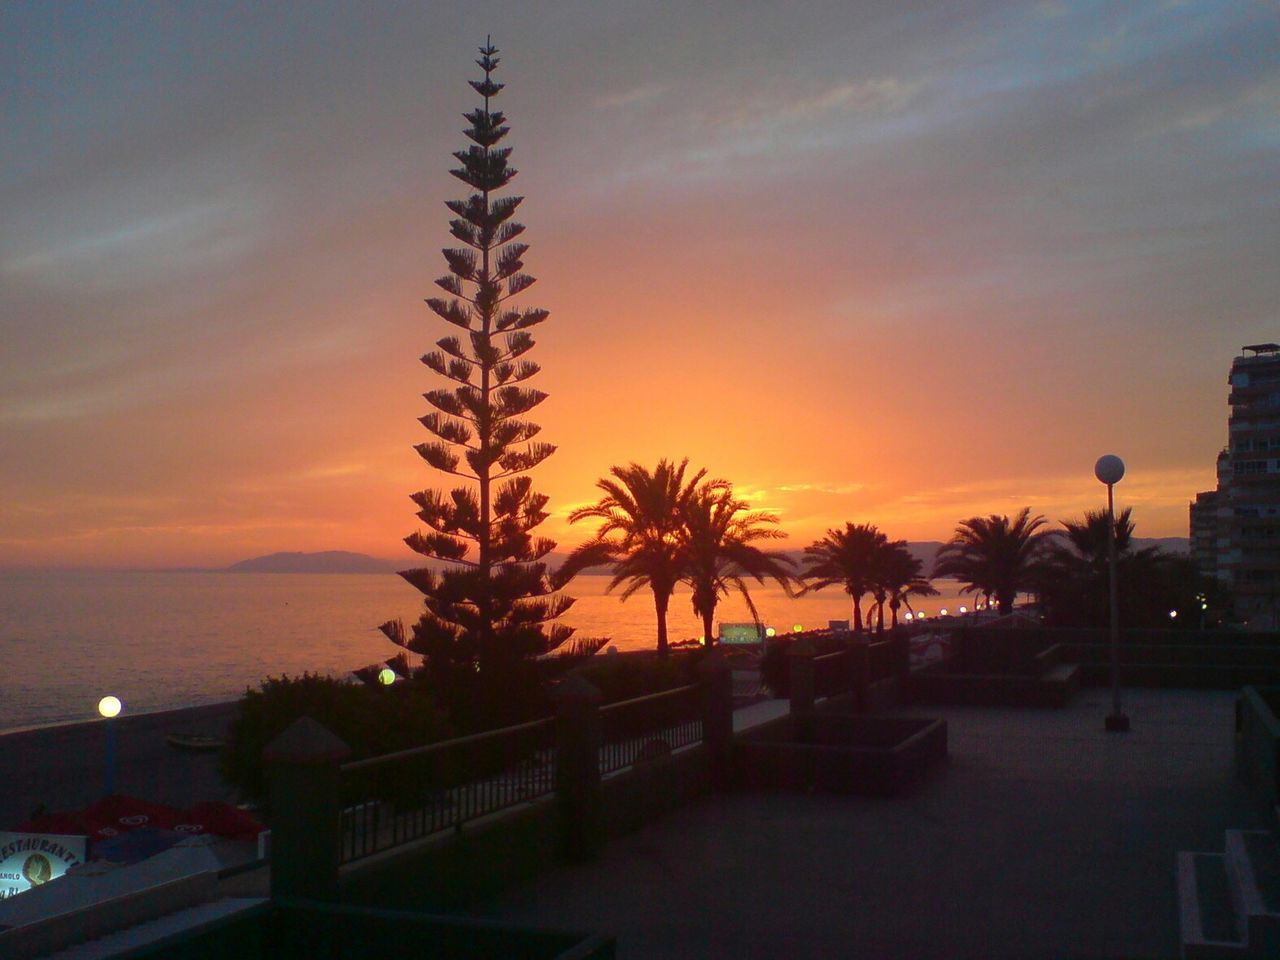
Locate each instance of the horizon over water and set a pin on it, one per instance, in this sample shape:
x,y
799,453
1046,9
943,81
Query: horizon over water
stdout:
x,y
163,640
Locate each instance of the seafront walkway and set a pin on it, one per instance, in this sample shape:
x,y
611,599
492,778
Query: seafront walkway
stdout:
x,y
1042,836
64,767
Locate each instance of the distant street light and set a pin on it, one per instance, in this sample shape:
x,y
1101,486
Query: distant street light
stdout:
x,y
109,707
1110,470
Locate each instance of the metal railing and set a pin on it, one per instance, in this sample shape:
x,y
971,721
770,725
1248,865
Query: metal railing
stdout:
x,y
882,660
831,674
647,728
403,796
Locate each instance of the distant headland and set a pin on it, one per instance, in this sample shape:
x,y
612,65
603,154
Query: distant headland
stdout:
x,y
326,561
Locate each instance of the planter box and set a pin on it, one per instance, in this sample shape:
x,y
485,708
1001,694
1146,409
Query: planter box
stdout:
x,y
1011,675
1258,741
838,753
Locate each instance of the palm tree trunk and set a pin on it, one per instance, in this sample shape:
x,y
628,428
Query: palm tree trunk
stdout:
x,y
660,602
893,614
857,612
708,620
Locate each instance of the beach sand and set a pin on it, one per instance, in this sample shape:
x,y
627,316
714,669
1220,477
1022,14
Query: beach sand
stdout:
x,y
64,767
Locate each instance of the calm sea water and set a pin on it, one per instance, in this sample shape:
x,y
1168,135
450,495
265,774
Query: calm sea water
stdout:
x,y
165,640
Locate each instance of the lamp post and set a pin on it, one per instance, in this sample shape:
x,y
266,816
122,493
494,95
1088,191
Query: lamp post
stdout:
x,y
1110,470
109,708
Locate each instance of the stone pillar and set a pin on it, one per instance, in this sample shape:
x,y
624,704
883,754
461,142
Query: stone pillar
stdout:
x,y
306,810
578,768
800,661
717,715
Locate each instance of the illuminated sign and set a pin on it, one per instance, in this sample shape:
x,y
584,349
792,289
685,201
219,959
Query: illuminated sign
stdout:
x,y
741,633
30,859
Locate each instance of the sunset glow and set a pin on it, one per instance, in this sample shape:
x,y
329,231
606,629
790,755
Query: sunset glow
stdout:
x,y
898,267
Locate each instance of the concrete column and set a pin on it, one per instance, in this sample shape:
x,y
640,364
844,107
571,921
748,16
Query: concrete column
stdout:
x,y
578,768
717,715
306,810
800,661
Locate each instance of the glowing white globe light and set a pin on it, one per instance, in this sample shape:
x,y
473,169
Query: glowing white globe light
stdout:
x,y
386,676
770,632
110,707
942,612
964,609
797,629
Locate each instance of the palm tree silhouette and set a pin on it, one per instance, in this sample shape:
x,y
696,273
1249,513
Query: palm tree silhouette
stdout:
x,y
640,537
1089,536
995,556
719,536
898,577
847,557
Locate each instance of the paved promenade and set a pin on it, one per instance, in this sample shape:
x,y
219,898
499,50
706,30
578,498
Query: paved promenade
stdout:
x,y
64,767
1041,837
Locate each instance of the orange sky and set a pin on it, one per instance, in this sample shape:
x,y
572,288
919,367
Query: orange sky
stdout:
x,y
900,266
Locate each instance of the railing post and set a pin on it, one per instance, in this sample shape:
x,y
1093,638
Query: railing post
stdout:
x,y
859,674
717,715
578,768
800,662
306,810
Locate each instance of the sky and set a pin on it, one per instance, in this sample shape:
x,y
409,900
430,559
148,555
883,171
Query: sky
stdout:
x,y
883,262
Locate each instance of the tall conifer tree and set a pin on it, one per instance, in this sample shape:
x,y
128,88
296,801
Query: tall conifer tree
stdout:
x,y
490,605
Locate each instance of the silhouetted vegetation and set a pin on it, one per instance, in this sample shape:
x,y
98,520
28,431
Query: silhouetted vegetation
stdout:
x,y
1074,589
370,720
719,536
996,557
864,561
660,529
626,676
639,539
488,601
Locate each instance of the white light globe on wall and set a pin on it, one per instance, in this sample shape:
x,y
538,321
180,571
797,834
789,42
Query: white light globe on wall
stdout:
x,y
109,707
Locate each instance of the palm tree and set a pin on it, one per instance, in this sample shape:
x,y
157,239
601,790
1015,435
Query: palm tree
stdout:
x,y
719,537
900,576
640,536
846,557
1074,582
1089,536
995,556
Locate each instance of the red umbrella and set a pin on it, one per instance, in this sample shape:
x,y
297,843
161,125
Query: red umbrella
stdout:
x,y
224,820
119,814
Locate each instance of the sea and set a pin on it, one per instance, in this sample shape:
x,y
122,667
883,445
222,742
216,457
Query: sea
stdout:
x,y
164,640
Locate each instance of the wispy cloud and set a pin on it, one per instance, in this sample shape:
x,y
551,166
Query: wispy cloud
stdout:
x,y
626,98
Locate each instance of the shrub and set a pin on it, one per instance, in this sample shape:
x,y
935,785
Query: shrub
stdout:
x,y
627,676
775,669
370,720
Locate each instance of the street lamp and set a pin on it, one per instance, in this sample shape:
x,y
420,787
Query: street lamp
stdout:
x,y
109,708
1110,470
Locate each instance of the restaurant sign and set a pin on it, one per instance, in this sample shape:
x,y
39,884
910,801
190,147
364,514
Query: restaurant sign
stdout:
x,y
30,859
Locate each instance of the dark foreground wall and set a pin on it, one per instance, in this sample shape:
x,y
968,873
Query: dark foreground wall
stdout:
x,y
458,870
1191,659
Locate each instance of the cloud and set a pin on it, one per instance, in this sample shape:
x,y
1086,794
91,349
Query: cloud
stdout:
x,y
626,98
834,489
